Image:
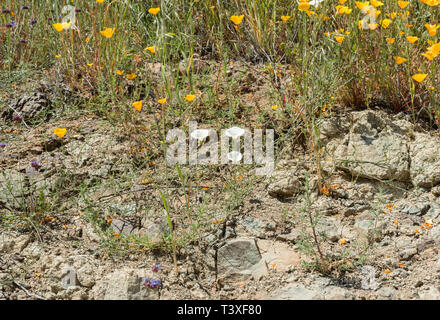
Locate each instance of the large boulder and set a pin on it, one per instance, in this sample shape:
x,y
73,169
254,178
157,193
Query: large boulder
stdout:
x,y
375,148
425,160
13,188
238,259
124,284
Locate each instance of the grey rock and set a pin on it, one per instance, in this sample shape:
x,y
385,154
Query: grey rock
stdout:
x,y
294,292
86,230
237,257
387,293
7,243
423,244
418,210
434,211
429,293
329,228
435,234
153,228
124,284
369,281
34,250
278,256
368,227
374,148
13,188
336,293
86,275
326,206
425,160
124,209
122,226
210,259
332,127
340,193
253,226
10,242
30,106
229,233
414,210
284,184
293,236
69,278
355,209
406,248
210,239
436,190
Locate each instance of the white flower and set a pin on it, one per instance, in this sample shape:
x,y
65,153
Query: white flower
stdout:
x,y
315,2
235,156
200,134
234,132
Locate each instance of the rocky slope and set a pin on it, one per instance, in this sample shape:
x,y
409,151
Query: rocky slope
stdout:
x,y
379,210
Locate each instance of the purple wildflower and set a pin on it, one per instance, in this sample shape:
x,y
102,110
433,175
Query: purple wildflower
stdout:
x,y
33,21
6,11
23,41
3,145
146,282
156,267
78,10
35,164
17,118
10,24
155,284
24,7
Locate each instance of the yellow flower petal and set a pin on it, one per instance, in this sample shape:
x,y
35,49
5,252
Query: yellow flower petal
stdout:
x,y
108,32
58,27
376,3
303,6
237,19
162,101
399,60
432,29
60,132
137,105
190,97
361,5
403,4
385,23
154,11
419,77
151,49
339,39
428,55
390,40
412,39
